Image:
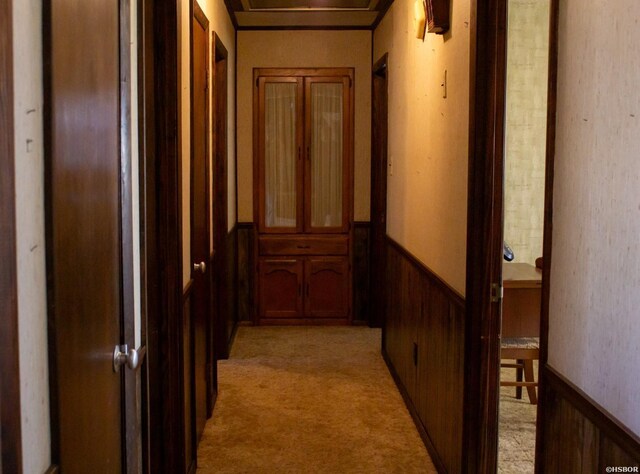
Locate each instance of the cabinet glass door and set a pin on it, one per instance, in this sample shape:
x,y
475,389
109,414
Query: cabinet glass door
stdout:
x,y
327,151
280,146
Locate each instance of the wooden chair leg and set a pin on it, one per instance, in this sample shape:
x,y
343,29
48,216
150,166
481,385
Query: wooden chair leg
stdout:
x,y
528,377
519,379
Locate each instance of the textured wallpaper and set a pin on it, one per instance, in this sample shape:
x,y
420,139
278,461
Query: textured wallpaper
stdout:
x,y
527,63
594,307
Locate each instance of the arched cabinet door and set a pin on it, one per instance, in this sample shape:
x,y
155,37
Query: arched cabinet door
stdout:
x,y
327,287
280,288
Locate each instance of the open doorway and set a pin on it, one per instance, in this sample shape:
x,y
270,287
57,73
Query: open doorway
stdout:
x,y
525,138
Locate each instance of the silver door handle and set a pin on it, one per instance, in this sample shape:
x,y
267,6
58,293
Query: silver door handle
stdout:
x,y
123,355
202,267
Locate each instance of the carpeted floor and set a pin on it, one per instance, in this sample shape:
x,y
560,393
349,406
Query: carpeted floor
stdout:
x,y
309,400
517,431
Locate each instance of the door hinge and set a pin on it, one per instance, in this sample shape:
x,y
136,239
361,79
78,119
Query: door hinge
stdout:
x,y
496,292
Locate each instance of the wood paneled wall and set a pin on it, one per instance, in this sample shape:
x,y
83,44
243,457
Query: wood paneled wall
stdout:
x,y
361,242
423,344
577,434
246,271
225,267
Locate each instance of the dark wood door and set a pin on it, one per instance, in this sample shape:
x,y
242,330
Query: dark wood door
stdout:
x,y
83,234
378,193
327,287
280,288
200,243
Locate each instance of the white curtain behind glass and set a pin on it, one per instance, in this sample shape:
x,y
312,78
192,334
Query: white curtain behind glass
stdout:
x,y
326,155
280,154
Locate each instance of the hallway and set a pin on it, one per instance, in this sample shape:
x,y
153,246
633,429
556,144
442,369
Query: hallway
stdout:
x,y
309,399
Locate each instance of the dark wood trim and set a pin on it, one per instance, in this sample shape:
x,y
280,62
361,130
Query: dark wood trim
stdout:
x,y
47,76
200,16
451,293
304,28
484,233
10,422
384,8
162,189
548,219
230,10
186,292
433,453
378,201
220,335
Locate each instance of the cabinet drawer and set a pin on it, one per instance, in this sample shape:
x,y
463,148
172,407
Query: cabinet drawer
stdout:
x,y
312,245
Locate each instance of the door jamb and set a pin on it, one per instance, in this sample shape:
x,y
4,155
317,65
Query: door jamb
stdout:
x,y
484,231
160,185
381,66
552,95
484,234
220,205
10,414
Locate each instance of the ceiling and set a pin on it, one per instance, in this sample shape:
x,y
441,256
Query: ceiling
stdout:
x,y
306,14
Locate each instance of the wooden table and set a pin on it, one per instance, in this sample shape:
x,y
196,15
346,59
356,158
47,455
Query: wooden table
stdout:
x,y
522,284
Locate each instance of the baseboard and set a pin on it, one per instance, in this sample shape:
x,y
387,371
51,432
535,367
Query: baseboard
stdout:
x,y
433,453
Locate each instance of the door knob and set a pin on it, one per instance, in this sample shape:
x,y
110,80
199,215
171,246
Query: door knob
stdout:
x,y
123,355
201,267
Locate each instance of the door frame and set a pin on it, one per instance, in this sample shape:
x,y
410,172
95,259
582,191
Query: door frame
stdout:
x,y
197,14
219,255
10,415
485,229
378,175
161,220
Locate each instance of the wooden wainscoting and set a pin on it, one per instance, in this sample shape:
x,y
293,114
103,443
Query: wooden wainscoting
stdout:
x,y
246,271
361,234
423,345
225,266
577,434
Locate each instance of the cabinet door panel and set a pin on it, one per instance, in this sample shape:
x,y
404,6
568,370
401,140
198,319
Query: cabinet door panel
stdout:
x,y
280,288
280,164
328,150
327,287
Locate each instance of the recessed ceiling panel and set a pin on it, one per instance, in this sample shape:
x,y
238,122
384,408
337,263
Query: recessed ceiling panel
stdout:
x,y
309,4
300,19
314,14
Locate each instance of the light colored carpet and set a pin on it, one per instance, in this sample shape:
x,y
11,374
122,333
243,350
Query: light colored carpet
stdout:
x,y
309,400
517,438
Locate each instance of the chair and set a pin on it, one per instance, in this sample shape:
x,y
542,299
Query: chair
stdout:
x,y
524,350
521,325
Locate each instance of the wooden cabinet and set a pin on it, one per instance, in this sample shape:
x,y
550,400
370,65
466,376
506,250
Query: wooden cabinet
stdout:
x,y
304,289
280,287
303,194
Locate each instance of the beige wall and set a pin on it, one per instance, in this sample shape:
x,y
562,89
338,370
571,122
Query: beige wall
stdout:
x,y
526,128
594,335
29,169
428,138
304,49
219,23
